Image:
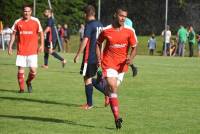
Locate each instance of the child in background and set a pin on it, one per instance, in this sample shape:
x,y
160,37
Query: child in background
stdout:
x,y
152,44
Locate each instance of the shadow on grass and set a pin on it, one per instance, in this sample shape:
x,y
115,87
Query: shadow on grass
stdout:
x,y
7,64
6,90
40,101
42,119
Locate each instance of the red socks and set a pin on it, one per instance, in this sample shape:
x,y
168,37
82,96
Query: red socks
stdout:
x,y
114,105
31,76
20,77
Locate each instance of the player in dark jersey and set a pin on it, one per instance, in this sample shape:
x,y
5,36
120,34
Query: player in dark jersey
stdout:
x,y
50,40
88,45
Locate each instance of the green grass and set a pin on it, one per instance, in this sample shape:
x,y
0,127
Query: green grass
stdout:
x,y
162,99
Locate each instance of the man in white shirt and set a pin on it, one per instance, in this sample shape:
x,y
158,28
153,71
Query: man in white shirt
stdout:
x,y
166,40
7,35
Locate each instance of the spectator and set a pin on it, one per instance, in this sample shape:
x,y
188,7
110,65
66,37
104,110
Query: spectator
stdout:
x,y
152,44
61,36
166,42
191,40
134,69
66,38
198,41
7,35
81,32
182,38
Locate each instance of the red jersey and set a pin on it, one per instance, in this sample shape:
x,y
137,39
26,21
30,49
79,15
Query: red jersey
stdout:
x,y
27,32
117,46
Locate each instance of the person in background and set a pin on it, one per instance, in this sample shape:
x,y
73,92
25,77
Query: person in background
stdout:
x,y
166,41
66,38
182,38
7,32
191,40
152,44
61,35
198,41
134,69
81,32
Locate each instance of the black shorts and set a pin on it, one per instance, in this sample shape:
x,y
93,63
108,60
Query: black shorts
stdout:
x,y
91,70
48,45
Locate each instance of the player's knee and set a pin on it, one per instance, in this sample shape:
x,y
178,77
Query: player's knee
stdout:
x,y
118,82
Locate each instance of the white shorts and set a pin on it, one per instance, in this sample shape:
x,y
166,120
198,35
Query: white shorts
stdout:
x,y
27,61
113,73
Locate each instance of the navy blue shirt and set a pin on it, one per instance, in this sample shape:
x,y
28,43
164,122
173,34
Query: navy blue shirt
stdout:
x,y
51,35
92,31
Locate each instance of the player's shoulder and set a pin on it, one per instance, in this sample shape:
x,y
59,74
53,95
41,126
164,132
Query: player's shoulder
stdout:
x,y
35,19
108,27
18,20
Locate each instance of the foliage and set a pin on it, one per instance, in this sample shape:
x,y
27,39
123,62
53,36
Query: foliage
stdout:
x,y
148,15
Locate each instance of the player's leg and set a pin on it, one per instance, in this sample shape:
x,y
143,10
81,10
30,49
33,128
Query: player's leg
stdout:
x,y
32,61
90,72
134,70
21,64
21,77
56,55
113,99
112,81
46,54
88,93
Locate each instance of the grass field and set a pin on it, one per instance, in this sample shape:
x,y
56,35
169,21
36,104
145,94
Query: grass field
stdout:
x,y
164,98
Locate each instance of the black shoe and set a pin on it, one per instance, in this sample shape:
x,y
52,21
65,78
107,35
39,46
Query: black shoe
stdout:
x,y
21,91
29,87
118,123
134,70
63,63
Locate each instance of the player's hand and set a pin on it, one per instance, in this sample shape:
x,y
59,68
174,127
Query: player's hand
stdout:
x,y
76,58
50,50
41,49
10,51
128,61
99,63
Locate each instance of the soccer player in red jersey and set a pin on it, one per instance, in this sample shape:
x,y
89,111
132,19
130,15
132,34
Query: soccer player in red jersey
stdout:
x,y
26,29
115,59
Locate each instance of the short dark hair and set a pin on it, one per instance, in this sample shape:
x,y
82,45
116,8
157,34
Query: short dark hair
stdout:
x,y
27,5
121,8
89,10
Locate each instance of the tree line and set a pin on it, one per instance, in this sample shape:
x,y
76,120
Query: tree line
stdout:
x,y
148,15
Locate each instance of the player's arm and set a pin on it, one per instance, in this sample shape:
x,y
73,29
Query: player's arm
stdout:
x,y
11,43
81,48
41,48
133,43
98,53
131,55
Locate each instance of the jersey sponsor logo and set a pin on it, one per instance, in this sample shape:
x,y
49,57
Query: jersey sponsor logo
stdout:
x,y
26,32
118,45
